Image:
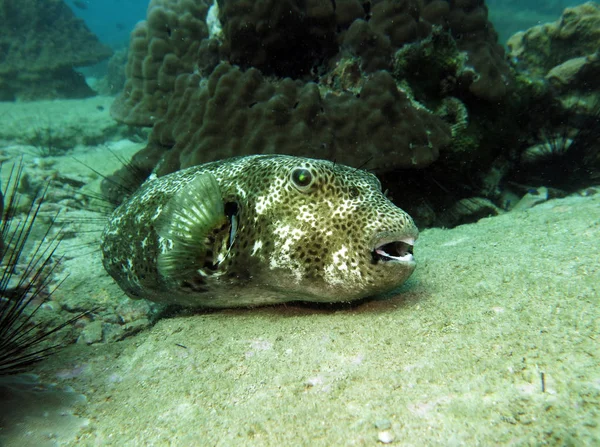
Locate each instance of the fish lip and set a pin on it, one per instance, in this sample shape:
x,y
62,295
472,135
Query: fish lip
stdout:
x,y
400,250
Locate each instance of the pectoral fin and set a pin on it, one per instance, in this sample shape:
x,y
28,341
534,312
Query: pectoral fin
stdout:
x,y
186,220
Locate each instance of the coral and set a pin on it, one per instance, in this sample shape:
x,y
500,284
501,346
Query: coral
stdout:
x,y
41,41
292,38
114,79
345,76
348,80
467,22
394,24
565,52
563,59
579,72
434,67
241,112
397,20
572,148
390,25
576,33
455,112
264,33
166,44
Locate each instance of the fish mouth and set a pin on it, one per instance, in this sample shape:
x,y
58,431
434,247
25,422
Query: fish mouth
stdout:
x,y
394,249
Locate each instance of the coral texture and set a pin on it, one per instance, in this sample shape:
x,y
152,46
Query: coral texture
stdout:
x,y
165,45
315,100
543,48
564,55
242,112
385,84
393,24
264,33
475,36
113,80
40,43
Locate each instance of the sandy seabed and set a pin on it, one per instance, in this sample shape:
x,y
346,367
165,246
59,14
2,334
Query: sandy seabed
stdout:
x,y
493,340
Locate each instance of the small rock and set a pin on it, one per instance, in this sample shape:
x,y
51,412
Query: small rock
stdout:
x,y
468,210
532,198
385,437
92,333
114,332
132,310
135,326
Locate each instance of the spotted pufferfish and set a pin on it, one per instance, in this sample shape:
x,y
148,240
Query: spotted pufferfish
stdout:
x,y
259,230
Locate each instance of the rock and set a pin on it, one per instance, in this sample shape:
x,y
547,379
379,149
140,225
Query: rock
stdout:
x,y
92,333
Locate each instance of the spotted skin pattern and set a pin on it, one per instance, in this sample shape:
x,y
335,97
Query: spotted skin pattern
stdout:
x,y
293,242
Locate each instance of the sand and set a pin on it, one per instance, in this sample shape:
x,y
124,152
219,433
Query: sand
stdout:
x,y
493,340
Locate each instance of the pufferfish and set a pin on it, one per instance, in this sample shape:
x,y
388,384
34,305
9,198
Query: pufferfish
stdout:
x,y
259,230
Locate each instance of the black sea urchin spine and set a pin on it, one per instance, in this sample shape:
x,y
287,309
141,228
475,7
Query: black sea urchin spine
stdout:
x,y
23,286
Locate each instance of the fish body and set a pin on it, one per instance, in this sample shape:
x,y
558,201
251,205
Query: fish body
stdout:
x,y
259,230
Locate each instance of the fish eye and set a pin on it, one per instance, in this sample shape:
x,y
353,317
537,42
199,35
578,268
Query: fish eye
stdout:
x,y
302,178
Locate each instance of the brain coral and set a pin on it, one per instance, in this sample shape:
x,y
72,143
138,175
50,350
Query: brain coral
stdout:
x,y
40,43
302,77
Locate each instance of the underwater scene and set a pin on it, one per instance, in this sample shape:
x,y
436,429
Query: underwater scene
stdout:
x,y
299,223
